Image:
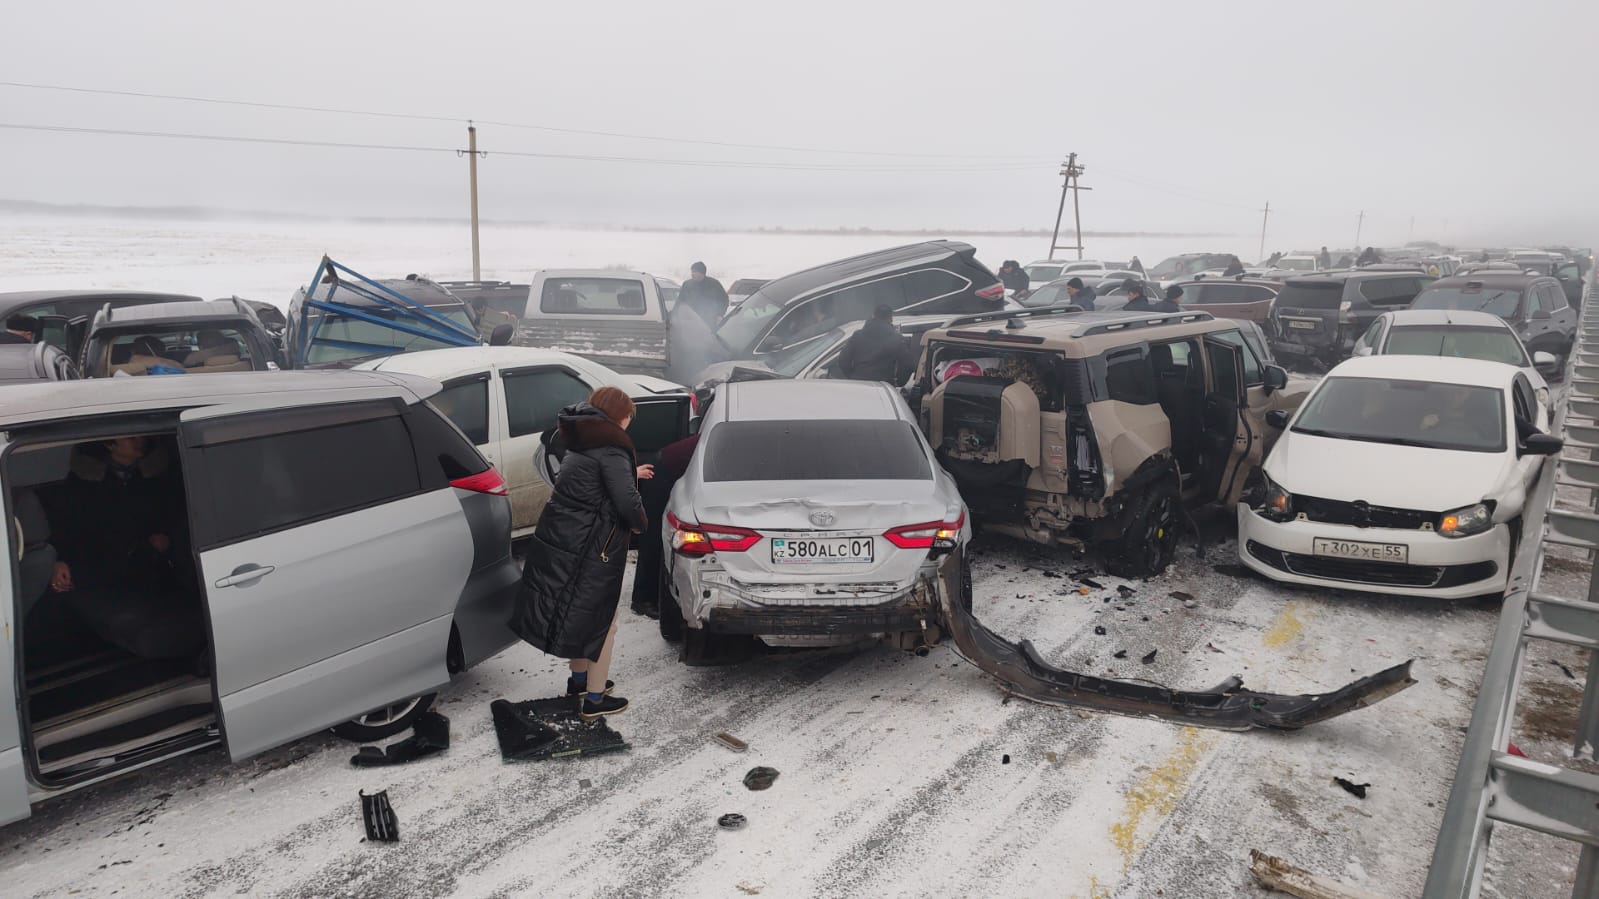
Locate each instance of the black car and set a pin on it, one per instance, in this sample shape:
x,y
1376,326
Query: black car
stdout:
x,y
30,363
318,338
1535,305
1316,319
938,276
160,338
64,315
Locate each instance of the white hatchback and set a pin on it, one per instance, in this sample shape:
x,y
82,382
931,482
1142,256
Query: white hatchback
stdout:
x,y
1403,475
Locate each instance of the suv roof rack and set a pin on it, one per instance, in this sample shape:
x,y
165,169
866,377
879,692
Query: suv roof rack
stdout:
x,y
1168,318
1040,312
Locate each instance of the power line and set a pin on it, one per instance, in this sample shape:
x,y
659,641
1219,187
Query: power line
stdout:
x,y
581,157
462,119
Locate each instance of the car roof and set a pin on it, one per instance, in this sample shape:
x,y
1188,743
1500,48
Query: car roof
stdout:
x,y
622,273
1438,369
1466,318
27,404
193,310
1341,276
23,297
1235,279
1517,280
784,400
1089,331
783,289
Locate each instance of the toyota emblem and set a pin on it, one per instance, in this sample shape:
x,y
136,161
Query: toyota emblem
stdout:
x,y
823,518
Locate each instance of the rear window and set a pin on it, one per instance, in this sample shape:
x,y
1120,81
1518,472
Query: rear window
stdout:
x,y
592,296
1311,296
838,450
1043,272
1223,292
1492,344
1504,302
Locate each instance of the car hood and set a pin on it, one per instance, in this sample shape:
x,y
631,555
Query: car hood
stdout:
x,y
1385,475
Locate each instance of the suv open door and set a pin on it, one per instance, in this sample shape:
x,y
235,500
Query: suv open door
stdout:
x,y
1229,445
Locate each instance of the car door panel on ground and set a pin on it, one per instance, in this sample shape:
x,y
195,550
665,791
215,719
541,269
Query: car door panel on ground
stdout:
x,y
298,641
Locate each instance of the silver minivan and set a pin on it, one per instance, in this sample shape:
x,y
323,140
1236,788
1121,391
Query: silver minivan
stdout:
x,y
305,551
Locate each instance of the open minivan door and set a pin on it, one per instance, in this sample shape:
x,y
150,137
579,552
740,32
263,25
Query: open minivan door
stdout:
x,y
1229,447
13,767
310,625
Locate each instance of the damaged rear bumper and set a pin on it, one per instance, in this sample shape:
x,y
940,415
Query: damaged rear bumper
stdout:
x,y
859,621
1227,706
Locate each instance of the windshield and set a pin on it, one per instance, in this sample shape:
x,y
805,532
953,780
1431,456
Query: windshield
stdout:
x,y
1296,264
791,360
1048,295
811,450
1407,413
746,321
1043,272
373,339
1503,302
1491,344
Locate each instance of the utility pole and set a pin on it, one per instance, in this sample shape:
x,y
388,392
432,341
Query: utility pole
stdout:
x,y
471,167
1069,171
1358,223
1264,214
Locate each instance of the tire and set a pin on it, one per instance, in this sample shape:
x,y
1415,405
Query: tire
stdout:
x,y
380,724
1150,541
671,620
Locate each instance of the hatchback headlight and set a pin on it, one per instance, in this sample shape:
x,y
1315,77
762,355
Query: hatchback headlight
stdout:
x,y
1276,503
1467,521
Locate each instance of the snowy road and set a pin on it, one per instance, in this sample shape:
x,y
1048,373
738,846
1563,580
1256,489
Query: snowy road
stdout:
x,y
893,775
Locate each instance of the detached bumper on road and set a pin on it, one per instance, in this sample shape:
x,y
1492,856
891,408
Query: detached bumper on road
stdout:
x,y
1443,567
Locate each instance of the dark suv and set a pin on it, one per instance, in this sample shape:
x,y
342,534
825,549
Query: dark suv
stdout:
x,y
64,315
197,336
1534,305
938,276
1316,319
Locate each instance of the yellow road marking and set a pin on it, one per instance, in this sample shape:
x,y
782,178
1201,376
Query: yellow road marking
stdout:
x,y
1286,627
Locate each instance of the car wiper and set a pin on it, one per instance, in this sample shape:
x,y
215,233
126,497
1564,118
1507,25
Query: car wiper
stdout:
x,y
1366,438
1484,304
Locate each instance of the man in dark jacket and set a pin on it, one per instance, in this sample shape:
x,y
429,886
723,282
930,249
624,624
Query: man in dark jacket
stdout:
x,y
1013,277
657,493
878,351
20,329
1325,259
572,580
1233,268
124,566
703,294
1172,301
1082,295
1368,256
1137,300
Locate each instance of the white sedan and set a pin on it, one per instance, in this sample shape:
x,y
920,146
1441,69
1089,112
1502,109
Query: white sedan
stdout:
x,y
1456,332
1403,475
812,513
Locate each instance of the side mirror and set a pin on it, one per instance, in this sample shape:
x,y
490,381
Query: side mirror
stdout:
x,y
1541,445
1545,363
502,334
1276,377
1277,418
1540,315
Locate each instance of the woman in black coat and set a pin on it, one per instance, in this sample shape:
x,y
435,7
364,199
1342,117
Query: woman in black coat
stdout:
x,y
572,581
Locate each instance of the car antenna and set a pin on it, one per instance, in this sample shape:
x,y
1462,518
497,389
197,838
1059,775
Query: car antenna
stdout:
x,y
1015,323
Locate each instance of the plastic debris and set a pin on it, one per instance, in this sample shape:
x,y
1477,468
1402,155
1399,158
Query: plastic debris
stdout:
x,y
585,783
1180,595
760,778
1119,654
1083,590
1211,647
1149,659
1004,759
1356,790
1515,750
430,735
731,742
732,821
378,816
1125,590
1090,582
1099,630
549,729
1050,757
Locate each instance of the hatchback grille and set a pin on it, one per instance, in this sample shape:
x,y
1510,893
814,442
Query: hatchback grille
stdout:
x,y
1362,515
1363,572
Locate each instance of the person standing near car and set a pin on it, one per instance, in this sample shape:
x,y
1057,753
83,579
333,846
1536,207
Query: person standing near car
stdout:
x,y
1082,295
1325,259
878,351
1135,264
1137,299
1172,302
572,581
1013,277
704,294
20,329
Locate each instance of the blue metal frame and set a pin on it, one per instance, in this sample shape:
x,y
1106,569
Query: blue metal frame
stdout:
x,y
414,319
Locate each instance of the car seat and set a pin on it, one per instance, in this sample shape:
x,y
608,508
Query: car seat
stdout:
x,y
630,301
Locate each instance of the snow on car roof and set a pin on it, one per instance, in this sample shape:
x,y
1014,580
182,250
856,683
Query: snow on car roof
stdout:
x,y
785,400
1439,369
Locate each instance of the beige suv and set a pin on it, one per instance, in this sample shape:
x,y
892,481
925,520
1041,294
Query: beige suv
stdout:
x,y
1101,428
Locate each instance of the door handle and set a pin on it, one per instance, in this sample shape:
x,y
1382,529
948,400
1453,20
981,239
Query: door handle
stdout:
x,y
245,574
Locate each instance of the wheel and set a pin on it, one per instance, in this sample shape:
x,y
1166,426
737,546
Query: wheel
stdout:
x,y
1150,541
380,724
671,615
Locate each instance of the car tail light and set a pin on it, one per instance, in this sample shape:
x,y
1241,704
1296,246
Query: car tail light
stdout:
x,y
704,539
927,535
994,292
486,481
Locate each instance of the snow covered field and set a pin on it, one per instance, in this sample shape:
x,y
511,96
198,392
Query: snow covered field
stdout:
x,y
893,773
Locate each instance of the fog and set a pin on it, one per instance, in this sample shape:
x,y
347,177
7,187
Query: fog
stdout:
x,y
1463,121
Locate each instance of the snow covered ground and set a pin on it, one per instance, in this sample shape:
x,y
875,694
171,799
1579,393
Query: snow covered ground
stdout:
x,y
893,773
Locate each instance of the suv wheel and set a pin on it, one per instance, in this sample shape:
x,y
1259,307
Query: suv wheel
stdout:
x,y
671,615
1150,541
380,724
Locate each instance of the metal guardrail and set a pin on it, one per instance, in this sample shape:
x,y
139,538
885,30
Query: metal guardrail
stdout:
x,y
1491,785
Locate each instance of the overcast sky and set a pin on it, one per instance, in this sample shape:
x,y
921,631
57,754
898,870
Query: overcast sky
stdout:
x,y
1476,119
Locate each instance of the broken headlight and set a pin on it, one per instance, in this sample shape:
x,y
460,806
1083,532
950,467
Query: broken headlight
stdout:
x,y
1276,503
1467,521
